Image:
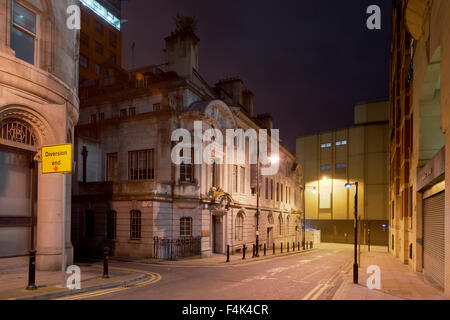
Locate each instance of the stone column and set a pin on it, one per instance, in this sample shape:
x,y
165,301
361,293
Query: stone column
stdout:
x,y
49,222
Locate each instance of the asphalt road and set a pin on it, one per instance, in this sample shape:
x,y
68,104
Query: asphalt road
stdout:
x,y
313,275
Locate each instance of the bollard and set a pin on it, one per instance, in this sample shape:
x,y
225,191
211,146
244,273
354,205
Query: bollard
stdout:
x,y
306,245
282,247
303,245
293,246
243,252
264,249
254,251
105,263
32,271
273,248
228,253
288,247
298,246
311,245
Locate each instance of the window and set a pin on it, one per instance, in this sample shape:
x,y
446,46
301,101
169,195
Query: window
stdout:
x,y
341,166
132,112
278,191
123,113
23,33
101,116
239,235
112,58
84,62
282,191
112,39
135,225
157,107
242,179
341,143
99,48
93,118
84,39
97,69
99,27
89,220
325,145
271,189
112,170
111,225
266,187
187,169
235,179
140,165
325,168
280,224
186,227
17,131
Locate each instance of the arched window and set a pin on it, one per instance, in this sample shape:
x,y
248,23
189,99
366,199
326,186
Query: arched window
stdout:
x,y
17,131
186,227
239,234
280,224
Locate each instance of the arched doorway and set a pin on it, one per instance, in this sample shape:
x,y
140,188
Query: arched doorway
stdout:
x,y
18,146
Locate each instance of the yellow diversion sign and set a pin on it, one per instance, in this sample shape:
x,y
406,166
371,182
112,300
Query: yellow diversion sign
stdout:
x,y
57,159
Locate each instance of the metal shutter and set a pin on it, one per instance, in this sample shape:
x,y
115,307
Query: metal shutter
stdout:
x,y
433,237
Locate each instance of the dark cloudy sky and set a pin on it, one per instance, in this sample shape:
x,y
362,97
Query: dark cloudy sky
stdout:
x,y
308,62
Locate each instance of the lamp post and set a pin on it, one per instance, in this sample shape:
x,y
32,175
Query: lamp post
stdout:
x,y
355,262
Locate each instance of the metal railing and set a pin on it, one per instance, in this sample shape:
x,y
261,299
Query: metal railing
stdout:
x,y
171,249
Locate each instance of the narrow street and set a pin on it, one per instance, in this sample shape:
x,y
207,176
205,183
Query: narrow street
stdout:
x,y
311,275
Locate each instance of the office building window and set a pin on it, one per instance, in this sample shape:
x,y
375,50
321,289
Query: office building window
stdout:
x,y
186,227
111,225
84,39
99,27
97,69
23,33
325,168
112,167
341,143
112,39
341,166
239,232
99,48
112,58
84,62
325,145
140,164
135,225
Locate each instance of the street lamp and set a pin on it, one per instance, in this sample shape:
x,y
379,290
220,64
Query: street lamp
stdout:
x,y
355,262
314,191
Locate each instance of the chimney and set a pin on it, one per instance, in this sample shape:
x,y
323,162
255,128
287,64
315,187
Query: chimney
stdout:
x,y
234,88
182,53
248,98
265,120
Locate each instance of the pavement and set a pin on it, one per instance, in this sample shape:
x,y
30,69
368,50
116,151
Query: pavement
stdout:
x,y
323,273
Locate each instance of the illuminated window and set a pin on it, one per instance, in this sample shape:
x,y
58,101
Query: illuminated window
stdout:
x,y
325,168
23,33
102,12
341,166
326,145
341,143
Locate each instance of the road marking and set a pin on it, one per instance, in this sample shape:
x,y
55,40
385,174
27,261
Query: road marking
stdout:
x,y
154,277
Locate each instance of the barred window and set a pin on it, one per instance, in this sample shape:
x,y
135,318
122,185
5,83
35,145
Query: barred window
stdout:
x,y
112,168
89,224
239,234
17,131
141,165
135,225
111,225
186,227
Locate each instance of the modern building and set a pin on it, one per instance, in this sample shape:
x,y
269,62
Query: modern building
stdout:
x,y
419,138
100,37
38,107
130,196
334,158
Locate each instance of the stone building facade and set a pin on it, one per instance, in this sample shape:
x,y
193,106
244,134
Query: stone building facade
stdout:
x,y
420,138
38,107
356,154
127,191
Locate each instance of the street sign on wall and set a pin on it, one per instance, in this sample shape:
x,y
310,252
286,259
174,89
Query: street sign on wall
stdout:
x,y
57,159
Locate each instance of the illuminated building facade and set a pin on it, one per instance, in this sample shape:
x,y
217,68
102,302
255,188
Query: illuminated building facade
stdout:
x,y
100,37
355,154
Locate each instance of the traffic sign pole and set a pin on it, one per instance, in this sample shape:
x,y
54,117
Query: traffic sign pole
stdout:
x,y
63,265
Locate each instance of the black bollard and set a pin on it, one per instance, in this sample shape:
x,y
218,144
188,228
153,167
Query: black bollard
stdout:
x,y
264,249
254,251
311,245
288,247
228,253
293,246
243,252
282,247
298,246
105,263
273,248
303,245
32,271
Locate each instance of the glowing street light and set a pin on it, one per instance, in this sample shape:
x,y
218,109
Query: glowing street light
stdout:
x,y
355,263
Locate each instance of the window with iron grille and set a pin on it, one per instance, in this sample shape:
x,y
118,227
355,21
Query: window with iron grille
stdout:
x,y
239,232
89,224
135,225
186,227
112,167
141,165
111,225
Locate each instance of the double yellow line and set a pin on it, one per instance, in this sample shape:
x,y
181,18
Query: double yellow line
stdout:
x,y
154,278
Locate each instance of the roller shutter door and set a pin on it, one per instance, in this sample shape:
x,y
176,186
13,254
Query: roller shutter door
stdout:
x,y
433,237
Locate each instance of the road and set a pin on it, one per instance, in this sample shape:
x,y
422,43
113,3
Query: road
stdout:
x,y
313,275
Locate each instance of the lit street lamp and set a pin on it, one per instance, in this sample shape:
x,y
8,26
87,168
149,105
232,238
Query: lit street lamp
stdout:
x,y
355,263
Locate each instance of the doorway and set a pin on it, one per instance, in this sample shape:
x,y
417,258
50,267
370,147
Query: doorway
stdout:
x,y
217,222
269,238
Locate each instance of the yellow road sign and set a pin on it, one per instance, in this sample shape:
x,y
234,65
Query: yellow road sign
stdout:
x,y
57,159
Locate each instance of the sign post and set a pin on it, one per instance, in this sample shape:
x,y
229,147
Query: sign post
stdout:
x,y
58,159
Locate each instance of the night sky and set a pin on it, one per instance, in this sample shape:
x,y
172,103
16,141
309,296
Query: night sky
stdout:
x,y
307,62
